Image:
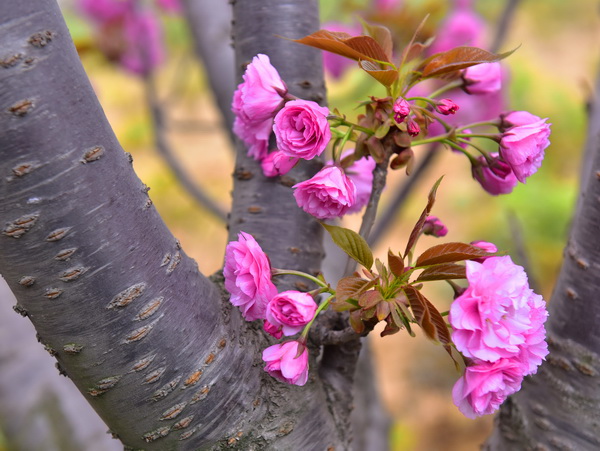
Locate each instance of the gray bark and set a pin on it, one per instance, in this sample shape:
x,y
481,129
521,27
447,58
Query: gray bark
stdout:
x,y
39,409
151,343
559,408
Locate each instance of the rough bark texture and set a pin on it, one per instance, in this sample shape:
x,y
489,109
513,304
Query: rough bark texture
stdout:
x,y
559,408
39,409
152,344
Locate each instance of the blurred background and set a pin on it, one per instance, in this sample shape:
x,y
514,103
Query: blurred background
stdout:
x,y
551,75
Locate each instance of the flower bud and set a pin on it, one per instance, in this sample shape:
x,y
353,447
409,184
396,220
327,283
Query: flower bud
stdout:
x,y
413,128
446,107
434,227
401,110
496,177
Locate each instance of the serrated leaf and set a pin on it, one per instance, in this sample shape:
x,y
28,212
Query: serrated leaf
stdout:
x,y
459,58
352,244
353,47
445,271
416,231
351,287
369,299
384,76
396,264
381,34
449,253
427,316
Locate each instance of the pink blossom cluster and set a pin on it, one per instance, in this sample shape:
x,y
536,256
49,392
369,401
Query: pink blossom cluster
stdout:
x,y
136,31
247,272
498,325
262,105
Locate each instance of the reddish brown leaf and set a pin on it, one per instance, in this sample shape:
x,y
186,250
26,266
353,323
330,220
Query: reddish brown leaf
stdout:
x,y
450,252
416,231
445,271
369,299
428,317
383,310
351,287
396,264
356,322
384,76
407,49
382,35
459,58
353,47
390,328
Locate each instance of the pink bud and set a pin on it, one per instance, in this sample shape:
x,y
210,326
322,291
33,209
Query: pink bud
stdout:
x,y
290,311
486,246
483,78
272,330
401,109
446,107
434,227
413,128
496,177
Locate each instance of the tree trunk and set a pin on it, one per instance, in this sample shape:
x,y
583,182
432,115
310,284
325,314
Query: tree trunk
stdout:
x,y
559,408
152,344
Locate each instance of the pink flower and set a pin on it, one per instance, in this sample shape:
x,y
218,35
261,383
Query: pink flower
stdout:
x,y
433,226
361,174
535,349
290,311
169,6
515,118
255,102
401,110
522,147
328,194
301,129
105,10
272,330
497,312
495,179
386,5
462,27
337,65
485,386
144,47
284,363
483,78
277,163
446,107
247,274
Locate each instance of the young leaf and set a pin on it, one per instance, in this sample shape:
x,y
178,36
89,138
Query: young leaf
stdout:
x,y
352,244
383,310
396,264
407,49
459,58
449,253
381,34
353,47
428,317
384,76
445,271
351,287
416,231
369,299
356,322
390,328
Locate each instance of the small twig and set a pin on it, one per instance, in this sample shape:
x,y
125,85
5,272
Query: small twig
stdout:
x,y
516,230
504,24
165,151
388,216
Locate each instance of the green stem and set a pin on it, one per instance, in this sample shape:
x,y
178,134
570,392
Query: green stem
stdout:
x,y
448,87
440,138
433,103
492,136
483,152
342,121
322,306
471,158
283,272
478,124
